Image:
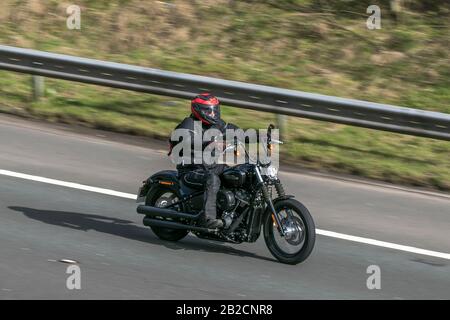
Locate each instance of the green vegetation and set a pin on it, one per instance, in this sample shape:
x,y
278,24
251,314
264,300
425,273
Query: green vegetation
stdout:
x,y
315,46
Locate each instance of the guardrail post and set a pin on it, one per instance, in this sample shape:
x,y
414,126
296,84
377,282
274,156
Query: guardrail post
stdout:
x,y
282,125
38,87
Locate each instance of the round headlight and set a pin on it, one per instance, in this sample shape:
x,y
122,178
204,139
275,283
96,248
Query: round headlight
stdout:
x,y
272,171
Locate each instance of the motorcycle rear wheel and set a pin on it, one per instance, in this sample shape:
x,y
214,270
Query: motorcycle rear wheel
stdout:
x,y
161,199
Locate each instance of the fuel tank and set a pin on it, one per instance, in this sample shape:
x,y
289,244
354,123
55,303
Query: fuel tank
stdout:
x,y
237,176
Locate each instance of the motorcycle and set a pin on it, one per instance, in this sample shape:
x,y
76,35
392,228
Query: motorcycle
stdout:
x,y
246,204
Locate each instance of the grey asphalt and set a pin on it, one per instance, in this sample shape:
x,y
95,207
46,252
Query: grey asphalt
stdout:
x,y
119,258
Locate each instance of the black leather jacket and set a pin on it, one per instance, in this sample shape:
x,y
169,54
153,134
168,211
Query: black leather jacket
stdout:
x,y
188,124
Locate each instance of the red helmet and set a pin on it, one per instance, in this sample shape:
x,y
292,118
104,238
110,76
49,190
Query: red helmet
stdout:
x,y
206,108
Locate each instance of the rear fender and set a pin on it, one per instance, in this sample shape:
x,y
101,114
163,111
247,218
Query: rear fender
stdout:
x,y
164,179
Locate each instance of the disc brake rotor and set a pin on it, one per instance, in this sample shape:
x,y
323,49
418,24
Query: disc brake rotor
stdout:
x,y
294,233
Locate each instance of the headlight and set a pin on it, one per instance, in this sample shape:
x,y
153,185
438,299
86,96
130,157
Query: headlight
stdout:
x,y
272,171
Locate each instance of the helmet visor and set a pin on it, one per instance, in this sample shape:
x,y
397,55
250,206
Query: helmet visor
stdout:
x,y
211,113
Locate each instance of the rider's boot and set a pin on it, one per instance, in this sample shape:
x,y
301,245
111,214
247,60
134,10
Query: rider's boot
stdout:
x,y
213,223
208,221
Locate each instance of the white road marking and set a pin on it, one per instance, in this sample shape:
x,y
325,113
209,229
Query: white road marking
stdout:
x,y
384,244
67,184
326,233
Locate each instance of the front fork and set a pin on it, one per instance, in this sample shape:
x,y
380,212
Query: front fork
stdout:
x,y
275,217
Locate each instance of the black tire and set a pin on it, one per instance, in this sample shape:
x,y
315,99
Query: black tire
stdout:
x,y
165,233
308,239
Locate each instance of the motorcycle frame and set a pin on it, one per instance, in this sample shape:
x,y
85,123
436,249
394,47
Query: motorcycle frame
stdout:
x,y
255,213
253,231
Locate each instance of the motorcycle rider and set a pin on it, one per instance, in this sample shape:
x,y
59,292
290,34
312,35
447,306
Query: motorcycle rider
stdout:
x,y
206,109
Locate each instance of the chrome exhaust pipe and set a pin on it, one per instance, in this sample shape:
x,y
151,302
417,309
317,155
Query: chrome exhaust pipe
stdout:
x,y
166,213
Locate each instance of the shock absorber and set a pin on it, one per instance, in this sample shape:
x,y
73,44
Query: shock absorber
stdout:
x,y
280,189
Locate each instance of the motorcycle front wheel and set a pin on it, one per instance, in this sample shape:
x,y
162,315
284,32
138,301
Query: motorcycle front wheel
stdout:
x,y
298,242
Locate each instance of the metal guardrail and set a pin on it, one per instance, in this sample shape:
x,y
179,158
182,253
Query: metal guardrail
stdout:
x,y
238,94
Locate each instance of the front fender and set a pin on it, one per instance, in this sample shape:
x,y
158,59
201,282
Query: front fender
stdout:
x,y
274,201
261,217
285,197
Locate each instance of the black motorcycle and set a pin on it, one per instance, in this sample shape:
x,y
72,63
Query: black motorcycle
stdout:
x,y
246,202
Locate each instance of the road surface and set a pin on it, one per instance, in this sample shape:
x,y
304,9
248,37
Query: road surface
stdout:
x,y
42,223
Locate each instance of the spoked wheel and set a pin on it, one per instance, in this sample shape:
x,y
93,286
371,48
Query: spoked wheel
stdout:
x,y
162,199
300,232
